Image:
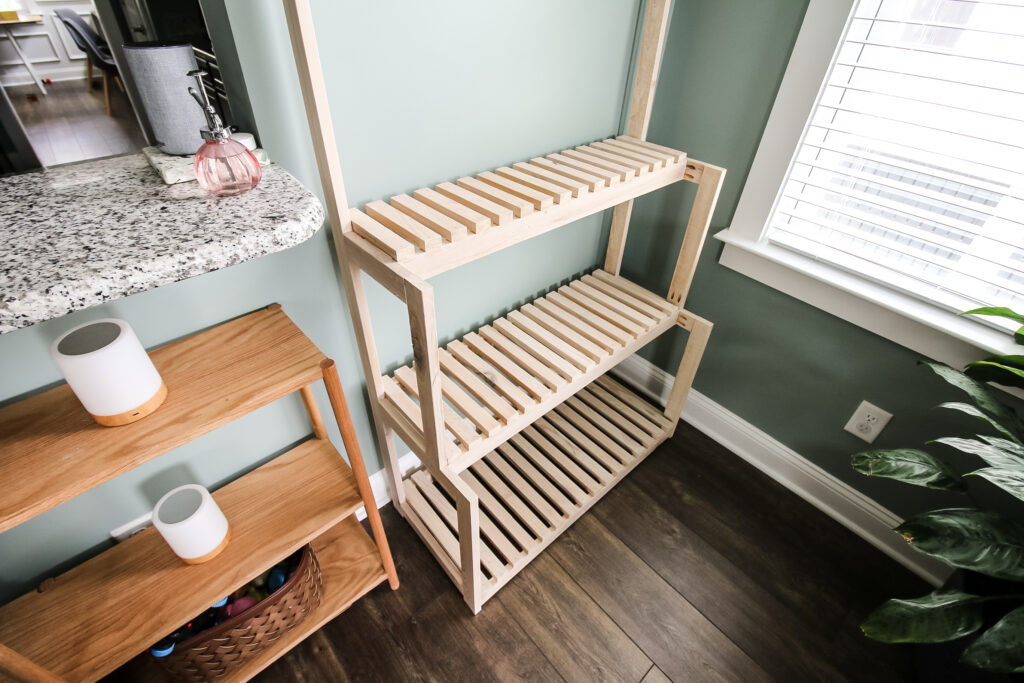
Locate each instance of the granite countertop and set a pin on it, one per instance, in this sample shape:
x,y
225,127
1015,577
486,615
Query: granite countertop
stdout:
x,y
79,235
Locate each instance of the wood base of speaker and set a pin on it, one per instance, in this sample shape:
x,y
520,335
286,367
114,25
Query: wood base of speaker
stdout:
x,y
135,414
210,555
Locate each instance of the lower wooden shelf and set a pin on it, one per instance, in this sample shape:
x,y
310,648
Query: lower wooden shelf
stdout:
x,y
541,481
106,610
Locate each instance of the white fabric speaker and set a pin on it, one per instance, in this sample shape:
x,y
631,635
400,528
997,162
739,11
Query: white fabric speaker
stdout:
x,y
192,524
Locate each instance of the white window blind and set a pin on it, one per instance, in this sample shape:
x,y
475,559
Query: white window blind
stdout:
x,y
910,171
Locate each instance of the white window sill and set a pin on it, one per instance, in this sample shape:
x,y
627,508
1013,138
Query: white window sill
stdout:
x,y
907,321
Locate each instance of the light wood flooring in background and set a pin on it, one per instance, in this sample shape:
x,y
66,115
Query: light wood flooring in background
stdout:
x,y
697,567
71,124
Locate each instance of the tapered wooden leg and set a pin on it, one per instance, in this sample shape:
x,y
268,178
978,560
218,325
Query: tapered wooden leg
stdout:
x,y
106,92
355,458
308,400
88,72
700,330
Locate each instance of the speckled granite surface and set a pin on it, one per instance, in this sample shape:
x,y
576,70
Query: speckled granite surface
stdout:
x,y
79,235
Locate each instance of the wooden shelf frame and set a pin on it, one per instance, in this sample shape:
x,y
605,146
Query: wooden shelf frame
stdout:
x,y
456,407
308,494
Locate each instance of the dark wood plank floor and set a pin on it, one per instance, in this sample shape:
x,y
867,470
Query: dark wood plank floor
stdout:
x,y
697,567
70,124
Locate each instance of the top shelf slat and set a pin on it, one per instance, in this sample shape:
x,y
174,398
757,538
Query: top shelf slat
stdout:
x,y
510,205
51,450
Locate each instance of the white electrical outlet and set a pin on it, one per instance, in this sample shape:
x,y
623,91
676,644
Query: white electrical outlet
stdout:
x,y
126,531
867,421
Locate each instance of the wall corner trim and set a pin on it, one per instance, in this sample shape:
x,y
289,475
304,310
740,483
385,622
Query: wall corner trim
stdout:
x,y
840,501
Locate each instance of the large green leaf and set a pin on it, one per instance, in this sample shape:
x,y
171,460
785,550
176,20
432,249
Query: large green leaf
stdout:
x,y
1009,480
980,540
908,465
934,618
975,412
1000,648
980,394
1003,453
993,371
1002,312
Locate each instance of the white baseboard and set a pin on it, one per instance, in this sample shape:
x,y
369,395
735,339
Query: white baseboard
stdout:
x,y
838,500
379,484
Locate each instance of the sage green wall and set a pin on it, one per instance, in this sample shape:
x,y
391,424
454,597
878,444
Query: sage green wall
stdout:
x,y
420,92
792,370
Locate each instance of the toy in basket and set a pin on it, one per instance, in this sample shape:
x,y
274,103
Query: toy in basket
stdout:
x,y
218,650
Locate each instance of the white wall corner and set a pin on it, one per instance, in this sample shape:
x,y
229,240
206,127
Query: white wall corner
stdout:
x,y
838,500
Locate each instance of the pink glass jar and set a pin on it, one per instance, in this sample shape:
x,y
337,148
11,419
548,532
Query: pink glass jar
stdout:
x,y
225,167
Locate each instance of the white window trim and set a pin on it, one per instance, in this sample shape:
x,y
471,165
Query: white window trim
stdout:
x,y
903,319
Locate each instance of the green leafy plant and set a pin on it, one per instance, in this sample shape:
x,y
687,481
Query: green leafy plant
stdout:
x,y
968,538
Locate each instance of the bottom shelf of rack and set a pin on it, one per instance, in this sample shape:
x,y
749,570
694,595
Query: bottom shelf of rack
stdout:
x,y
351,568
535,485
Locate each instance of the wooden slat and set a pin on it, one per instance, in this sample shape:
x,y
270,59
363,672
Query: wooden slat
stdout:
x,y
519,207
624,172
502,462
491,375
602,333
637,403
614,416
675,154
514,465
650,427
610,178
539,349
609,445
446,509
528,382
403,225
637,291
626,156
502,512
447,227
537,369
669,159
557,193
556,327
273,511
475,221
468,406
498,214
454,422
552,462
52,450
600,310
559,346
639,168
652,312
593,182
477,387
631,152
625,310
582,440
577,187
438,529
382,238
593,468
606,426
539,200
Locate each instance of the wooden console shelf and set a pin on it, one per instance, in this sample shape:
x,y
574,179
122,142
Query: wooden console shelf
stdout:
x,y
516,427
100,614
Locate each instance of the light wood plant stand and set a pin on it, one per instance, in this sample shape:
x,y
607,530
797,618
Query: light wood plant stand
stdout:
x,y
100,614
517,427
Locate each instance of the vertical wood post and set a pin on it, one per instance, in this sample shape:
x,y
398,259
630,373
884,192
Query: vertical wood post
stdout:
x,y
710,186
423,327
308,400
645,82
467,506
700,330
355,459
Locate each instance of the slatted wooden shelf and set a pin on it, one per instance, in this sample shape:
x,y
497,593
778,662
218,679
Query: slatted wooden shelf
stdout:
x,y
101,613
51,449
539,482
500,379
439,228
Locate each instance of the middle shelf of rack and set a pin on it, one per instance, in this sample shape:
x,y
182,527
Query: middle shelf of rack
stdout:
x,y
101,613
500,379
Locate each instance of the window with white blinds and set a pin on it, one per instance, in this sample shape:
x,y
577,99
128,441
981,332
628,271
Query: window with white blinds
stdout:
x,y
910,171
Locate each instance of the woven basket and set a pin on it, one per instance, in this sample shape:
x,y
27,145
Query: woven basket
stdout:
x,y
217,651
